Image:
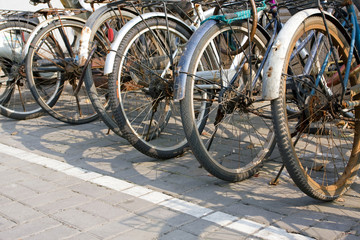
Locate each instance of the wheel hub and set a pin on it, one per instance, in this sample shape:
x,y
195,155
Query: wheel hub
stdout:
x,y
317,108
232,100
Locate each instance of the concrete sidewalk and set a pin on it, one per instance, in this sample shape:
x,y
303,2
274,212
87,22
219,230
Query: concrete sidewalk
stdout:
x,y
76,182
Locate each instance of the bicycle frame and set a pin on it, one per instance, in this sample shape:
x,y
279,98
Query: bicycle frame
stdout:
x,y
337,78
180,82
273,69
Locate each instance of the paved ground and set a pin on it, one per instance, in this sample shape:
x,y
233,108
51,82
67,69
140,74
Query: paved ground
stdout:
x,y
76,182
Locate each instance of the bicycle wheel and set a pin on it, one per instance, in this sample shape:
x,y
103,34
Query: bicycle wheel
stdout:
x,y
141,87
220,90
319,145
53,73
16,100
95,81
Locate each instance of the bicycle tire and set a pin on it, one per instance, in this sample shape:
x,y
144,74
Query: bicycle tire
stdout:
x,y
229,147
53,74
98,93
320,155
16,100
159,133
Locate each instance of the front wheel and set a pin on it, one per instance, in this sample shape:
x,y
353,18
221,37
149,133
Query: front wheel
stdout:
x,y
54,76
16,100
320,143
141,87
221,92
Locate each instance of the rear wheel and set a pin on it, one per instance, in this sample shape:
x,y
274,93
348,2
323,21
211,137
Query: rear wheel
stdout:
x,y
238,133
54,75
141,87
320,144
16,100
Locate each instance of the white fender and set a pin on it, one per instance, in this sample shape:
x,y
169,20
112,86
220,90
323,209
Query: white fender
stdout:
x,y
44,24
110,58
276,60
87,6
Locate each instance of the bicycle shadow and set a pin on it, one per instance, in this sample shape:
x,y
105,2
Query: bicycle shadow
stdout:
x,y
89,147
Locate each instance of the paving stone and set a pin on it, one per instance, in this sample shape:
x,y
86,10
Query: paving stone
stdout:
x,y
162,185
115,198
110,229
61,179
27,229
269,203
79,219
45,198
255,213
148,175
298,222
13,162
129,173
178,235
356,228
19,212
335,209
136,204
348,201
104,210
185,182
137,221
2,167
6,223
165,215
225,234
200,227
83,236
39,185
37,170
12,176
58,232
330,228
71,201
16,191
349,236
90,189
212,196
4,200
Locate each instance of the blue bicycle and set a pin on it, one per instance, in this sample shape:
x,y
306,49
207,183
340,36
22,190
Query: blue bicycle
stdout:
x,y
320,140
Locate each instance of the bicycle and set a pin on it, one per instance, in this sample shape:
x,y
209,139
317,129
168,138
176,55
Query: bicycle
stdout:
x,y
319,142
16,101
219,85
53,73
141,77
99,20
18,32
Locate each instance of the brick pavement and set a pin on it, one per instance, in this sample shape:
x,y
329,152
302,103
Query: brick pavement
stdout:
x,y
76,182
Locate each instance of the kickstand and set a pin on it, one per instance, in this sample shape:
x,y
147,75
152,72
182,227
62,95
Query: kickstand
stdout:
x,y
275,181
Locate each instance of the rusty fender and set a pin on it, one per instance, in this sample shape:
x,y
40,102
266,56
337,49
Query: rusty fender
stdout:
x,y
93,20
276,60
110,58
